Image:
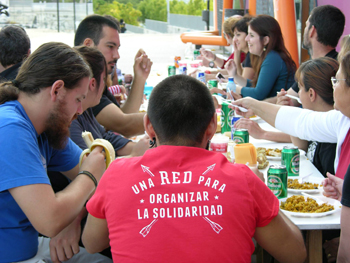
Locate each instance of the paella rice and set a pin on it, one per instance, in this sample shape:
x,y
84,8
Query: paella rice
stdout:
x,y
297,203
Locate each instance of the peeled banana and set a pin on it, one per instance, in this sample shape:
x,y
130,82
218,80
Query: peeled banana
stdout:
x,y
91,144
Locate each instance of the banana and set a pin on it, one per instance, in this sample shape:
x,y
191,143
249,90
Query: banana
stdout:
x,y
91,144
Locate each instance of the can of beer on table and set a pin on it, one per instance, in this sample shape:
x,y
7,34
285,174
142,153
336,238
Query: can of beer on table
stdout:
x,y
196,53
225,113
277,180
171,71
241,136
291,159
213,83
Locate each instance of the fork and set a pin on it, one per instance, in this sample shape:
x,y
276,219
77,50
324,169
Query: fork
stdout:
x,y
293,97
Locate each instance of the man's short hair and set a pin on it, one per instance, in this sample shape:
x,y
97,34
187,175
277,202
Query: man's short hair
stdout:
x,y
329,22
91,27
180,110
14,45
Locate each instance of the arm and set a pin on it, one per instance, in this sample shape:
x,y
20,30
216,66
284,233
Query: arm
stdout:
x,y
248,73
112,118
344,252
282,239
231,68
44,208
237,59
258,133
301,144
95,234
142,68
219,62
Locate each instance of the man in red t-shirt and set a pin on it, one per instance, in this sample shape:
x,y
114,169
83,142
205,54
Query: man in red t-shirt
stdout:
x,y
180,202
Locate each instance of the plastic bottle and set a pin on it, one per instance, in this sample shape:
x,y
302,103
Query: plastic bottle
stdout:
x,y
231,86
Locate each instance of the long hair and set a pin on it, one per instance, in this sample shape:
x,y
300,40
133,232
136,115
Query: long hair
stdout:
x,y
50,62
266,25
316,74
345,65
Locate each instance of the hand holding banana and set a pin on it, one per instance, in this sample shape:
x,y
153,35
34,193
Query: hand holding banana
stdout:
x,y
91,144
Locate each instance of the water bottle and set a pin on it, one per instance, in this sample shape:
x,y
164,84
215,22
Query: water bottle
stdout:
x,y
231,86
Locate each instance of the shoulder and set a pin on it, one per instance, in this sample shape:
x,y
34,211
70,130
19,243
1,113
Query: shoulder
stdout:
x,y
273,56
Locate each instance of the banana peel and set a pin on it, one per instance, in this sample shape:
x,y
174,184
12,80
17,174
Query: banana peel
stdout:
x,y
91,143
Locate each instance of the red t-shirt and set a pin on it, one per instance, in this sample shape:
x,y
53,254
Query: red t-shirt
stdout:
x,y
182,204
344,157
232,57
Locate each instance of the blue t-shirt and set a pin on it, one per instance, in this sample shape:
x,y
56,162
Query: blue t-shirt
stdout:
x,y
25,159
273,76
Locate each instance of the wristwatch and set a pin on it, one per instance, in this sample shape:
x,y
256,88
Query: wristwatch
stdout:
x,y
211,64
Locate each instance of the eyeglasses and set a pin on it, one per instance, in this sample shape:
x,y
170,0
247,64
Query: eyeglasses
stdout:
x,y
335,81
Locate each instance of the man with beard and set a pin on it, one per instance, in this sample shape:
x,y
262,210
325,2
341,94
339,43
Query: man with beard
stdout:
x,y
14,48
103,33
36,110
323,30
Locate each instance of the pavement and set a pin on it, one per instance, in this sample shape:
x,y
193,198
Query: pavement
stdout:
x,y
161,48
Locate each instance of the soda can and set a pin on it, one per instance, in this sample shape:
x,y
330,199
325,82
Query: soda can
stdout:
x,y
201,76
291,159
213,83
233,121
196,53
277,180
176,61
225,112
183,70
171,71
241,136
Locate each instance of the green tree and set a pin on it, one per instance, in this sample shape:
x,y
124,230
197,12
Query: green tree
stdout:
x,y
153,9
118,10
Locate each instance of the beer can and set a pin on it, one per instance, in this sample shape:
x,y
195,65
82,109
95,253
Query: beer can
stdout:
x,y
176,61
213,83
291,159
233,121
182,70
196,53
277,180
225,113
171,71
241,136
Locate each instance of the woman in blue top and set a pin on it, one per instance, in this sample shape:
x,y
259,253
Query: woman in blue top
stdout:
x,y
270,60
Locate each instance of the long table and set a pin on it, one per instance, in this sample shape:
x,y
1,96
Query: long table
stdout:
x,y
313,226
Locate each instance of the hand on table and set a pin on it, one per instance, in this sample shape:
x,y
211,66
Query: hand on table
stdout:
x,y
333,186
207,54
66,244
141,146
282,99
247,103
331,249
252,127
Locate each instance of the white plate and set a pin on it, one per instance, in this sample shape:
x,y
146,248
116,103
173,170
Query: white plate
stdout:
x,y
273,158
315,180
333,202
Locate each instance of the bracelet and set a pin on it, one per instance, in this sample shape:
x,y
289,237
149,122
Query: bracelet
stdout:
x,y
90,175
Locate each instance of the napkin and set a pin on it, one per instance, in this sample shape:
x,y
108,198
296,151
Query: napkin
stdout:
x,y
245,153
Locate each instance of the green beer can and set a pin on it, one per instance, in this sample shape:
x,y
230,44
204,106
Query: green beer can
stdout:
x,y
241,136
213,83
291,159
225,111
277,180
171,71
196,53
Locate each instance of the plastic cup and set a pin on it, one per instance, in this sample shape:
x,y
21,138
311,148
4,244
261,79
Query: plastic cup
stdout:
x,y
219,144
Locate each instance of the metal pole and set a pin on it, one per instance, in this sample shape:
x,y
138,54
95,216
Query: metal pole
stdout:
x,y
208,8
74,18
168,10
87,8
58,16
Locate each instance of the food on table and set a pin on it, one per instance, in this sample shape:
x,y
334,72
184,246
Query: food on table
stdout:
x,y
91,144
294,184
274,152
297,203
262,160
